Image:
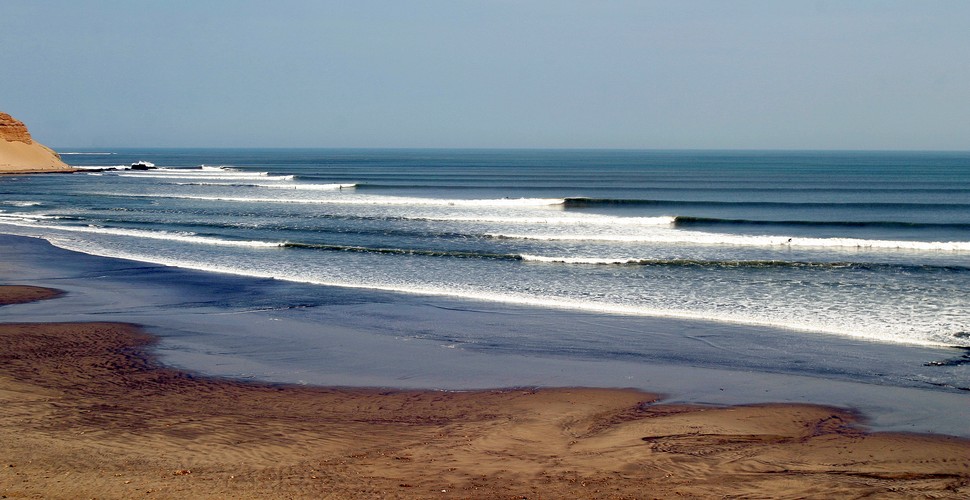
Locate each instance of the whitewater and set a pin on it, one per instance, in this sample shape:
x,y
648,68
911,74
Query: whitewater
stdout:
x,y
872,246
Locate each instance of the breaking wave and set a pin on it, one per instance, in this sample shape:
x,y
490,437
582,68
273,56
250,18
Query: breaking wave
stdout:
x,y
21,203
186,174
294,187
701,238
360,200
182,236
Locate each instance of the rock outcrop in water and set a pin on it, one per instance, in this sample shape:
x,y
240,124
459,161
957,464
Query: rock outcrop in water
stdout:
x,y
20,153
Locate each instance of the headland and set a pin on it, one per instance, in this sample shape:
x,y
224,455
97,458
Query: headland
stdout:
x,y
21,154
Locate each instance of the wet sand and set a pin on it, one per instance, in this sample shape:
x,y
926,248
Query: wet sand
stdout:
x,y
86,412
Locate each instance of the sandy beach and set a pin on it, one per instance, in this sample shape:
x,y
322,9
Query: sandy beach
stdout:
x,y
87,412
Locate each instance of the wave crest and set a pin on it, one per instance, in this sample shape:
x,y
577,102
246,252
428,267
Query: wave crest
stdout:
x,y
699,238
186,237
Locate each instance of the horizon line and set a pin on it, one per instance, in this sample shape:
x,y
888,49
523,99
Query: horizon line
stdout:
x,y
106,149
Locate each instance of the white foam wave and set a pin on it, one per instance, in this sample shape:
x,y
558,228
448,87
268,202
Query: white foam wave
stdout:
x,y
205,174
203,170
307,187
101,167
516,299
564,219
363,200
185,237
88,154
578,260
21,203
293,187
8,217
700,238
224,184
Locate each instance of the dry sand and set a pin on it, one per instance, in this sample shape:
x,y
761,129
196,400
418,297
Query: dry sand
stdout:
x,y
21,158
86,412
19,153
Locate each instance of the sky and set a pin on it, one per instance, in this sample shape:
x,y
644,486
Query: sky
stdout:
x,y
679,74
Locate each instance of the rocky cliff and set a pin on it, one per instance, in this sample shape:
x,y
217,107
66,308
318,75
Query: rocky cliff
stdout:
x,y
19,153
12,129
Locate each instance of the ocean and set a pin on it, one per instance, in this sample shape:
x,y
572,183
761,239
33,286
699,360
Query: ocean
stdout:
x,y
758,260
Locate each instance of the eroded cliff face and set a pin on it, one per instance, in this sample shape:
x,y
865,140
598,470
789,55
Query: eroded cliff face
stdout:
x,y
20,153
13,130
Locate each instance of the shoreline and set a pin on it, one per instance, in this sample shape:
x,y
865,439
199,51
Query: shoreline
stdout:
x,y
249,329
87,401
31,171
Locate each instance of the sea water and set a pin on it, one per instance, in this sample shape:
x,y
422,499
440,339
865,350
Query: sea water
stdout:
x,y
874,245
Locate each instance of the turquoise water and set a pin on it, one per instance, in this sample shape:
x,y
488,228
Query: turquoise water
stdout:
x,y
867,245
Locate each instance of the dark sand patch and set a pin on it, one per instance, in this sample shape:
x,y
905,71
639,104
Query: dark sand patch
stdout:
x,y
21,294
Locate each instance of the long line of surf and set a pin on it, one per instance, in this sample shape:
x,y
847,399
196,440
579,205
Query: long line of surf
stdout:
x,y
355,200
187,237
514,298
35,222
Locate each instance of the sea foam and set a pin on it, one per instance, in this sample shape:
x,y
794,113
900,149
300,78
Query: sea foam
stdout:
x,y
833,326
185,237
359,200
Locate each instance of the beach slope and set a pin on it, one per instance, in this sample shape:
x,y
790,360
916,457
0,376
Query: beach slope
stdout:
x,y
86,411
20,153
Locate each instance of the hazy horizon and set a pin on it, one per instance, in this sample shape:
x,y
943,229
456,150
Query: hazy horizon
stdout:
x,y
650,75
112,149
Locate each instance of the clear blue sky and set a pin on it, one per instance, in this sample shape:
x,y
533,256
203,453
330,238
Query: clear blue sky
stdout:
x,y
826,74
